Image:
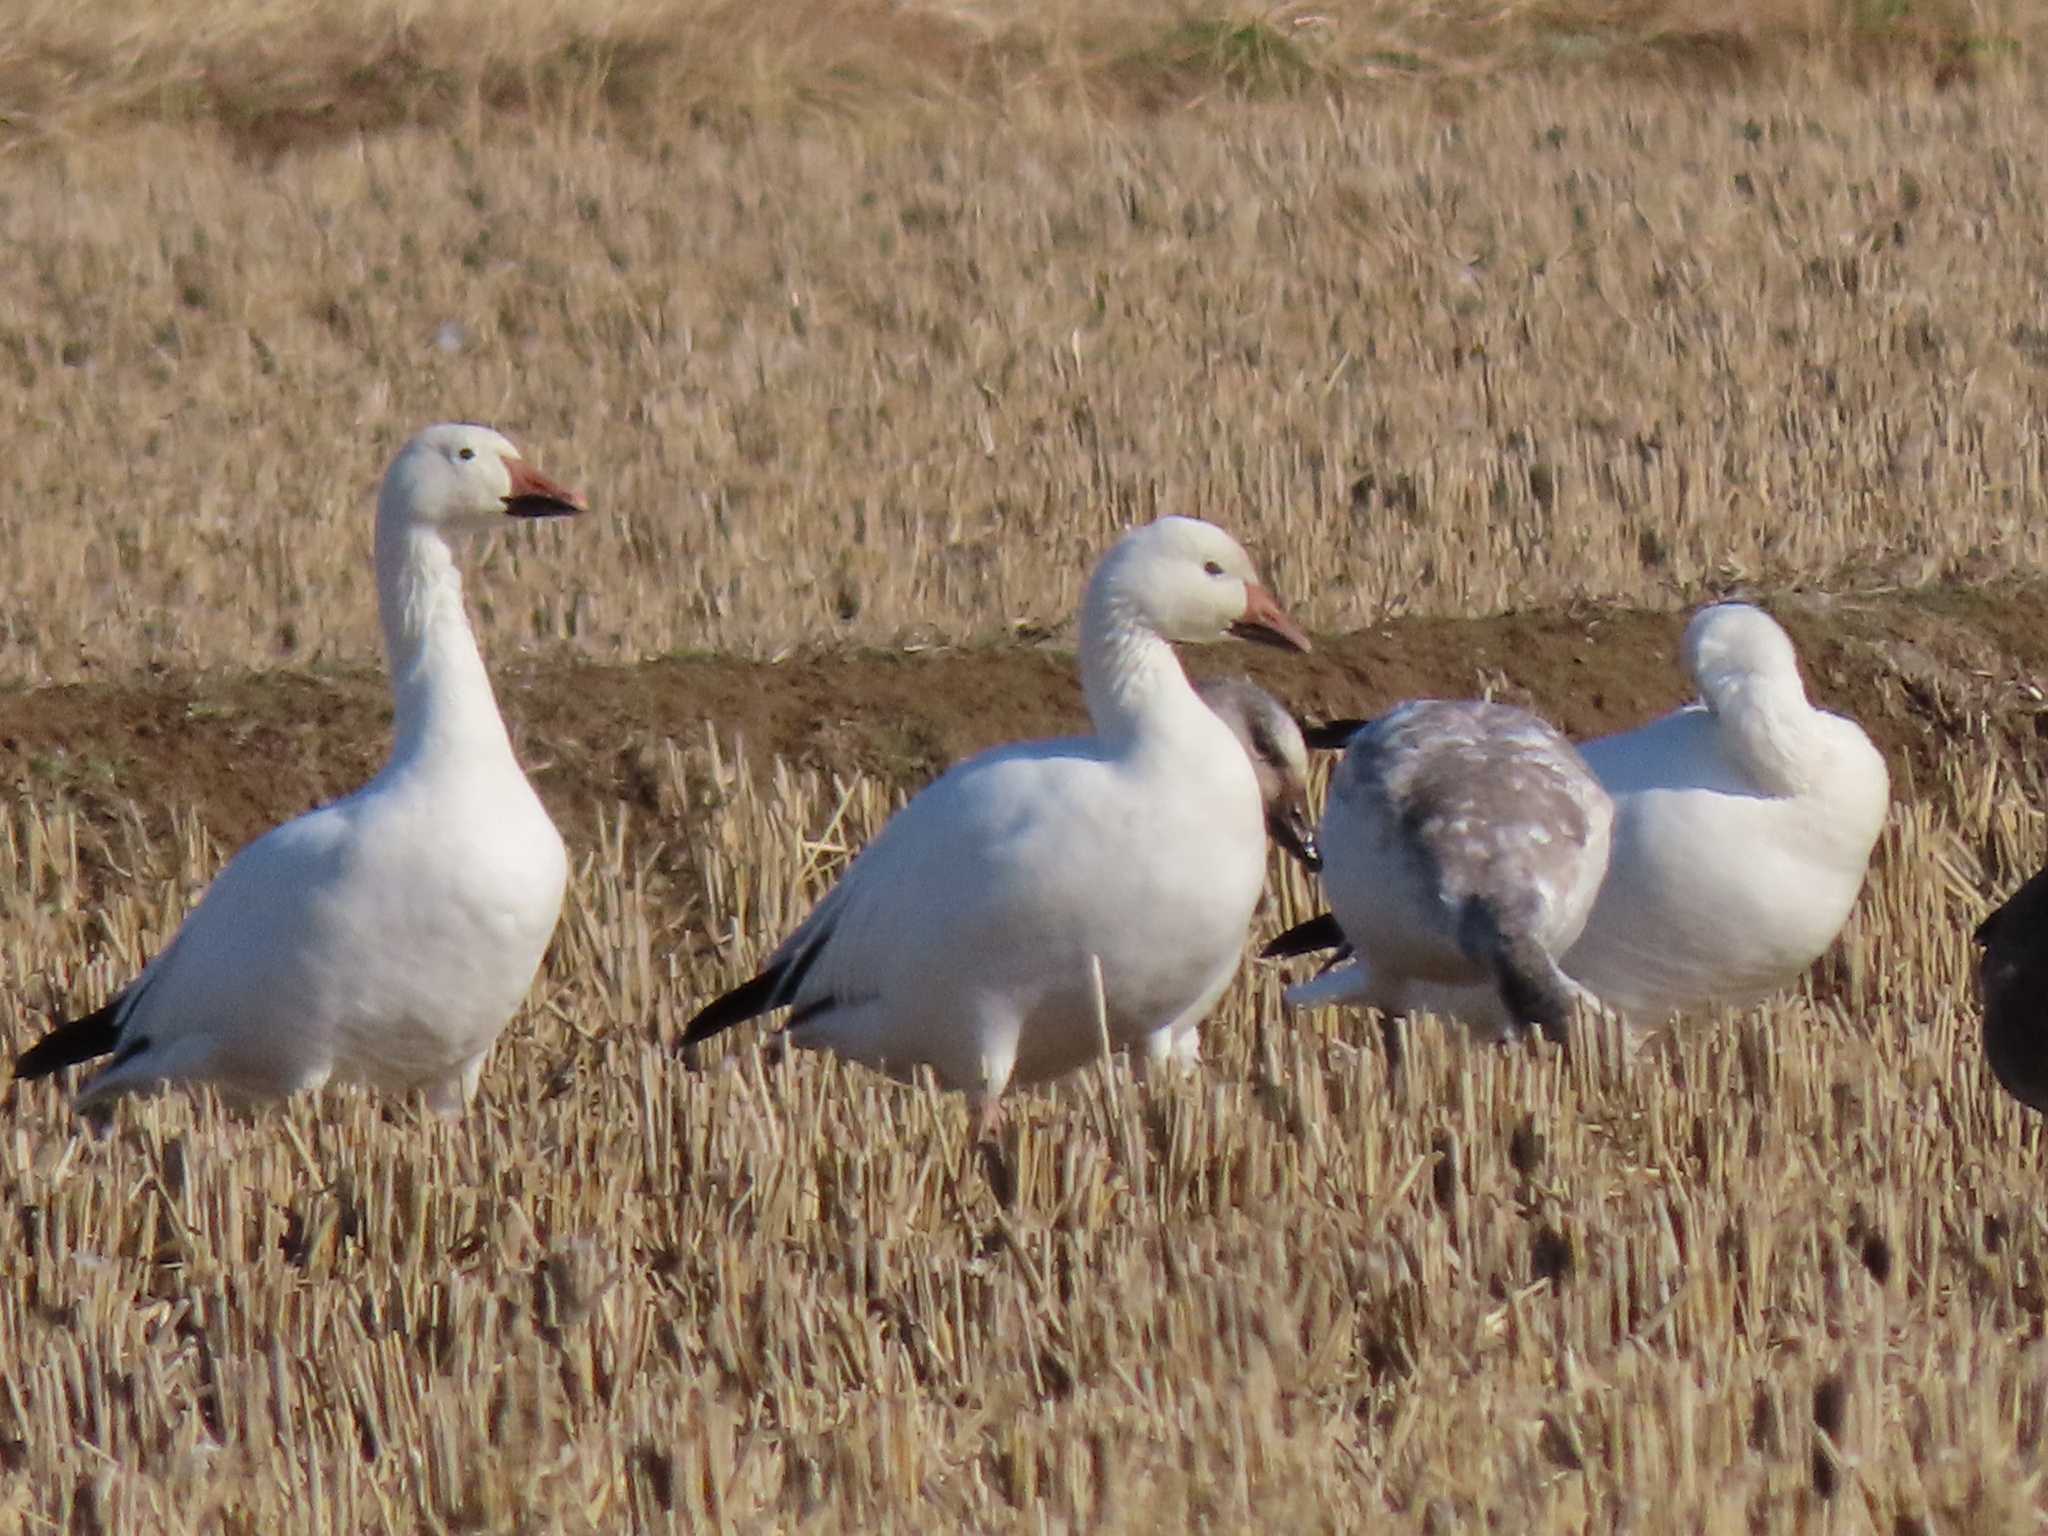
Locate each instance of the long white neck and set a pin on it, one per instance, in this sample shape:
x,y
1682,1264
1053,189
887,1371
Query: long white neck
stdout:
x,y
1129,674
442,695
1769,727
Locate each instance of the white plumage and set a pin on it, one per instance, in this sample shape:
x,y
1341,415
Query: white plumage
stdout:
x,y
387,938
1272,740
1743,828
960,939
1744,825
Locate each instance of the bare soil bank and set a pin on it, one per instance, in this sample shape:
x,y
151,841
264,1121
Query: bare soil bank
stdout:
x,y
1928,673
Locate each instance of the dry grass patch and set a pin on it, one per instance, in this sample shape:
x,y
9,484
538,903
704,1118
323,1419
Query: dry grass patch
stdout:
x,y
1738,1283
277,75
895,381
900,386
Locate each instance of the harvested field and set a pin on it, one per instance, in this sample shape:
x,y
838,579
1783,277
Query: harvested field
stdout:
x,y
1497,360
272,78
852,386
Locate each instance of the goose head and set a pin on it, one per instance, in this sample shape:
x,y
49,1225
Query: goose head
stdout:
x,y
1272,739
1729,644
461,478
1188,580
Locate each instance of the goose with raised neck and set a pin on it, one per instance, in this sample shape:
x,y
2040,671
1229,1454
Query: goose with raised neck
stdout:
x,y
443,706
1130,677
966,936
387,938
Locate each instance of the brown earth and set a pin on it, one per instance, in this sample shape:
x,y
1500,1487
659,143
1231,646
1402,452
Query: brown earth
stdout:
x,y
1923,671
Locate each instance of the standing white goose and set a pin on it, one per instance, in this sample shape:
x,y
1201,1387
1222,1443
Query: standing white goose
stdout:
x,y
960,939
1272,740
1743,827
387,938
1463,841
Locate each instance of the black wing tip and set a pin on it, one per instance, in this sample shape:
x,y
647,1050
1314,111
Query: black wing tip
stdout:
x,y
1331,735
74,1041
1318,933
748,1000
768,991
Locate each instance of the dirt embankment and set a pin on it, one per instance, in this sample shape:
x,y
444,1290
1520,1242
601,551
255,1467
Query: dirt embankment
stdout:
x,y
1928,673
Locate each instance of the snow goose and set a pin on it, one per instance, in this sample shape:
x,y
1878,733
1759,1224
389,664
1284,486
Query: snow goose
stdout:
x,y
1743,827
2013,977
384,939
1272,739
961,938
1462,841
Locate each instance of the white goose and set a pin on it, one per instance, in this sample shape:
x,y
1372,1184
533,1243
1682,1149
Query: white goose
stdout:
x,y
1743,827
960,939
1272,740
384,939
1463,842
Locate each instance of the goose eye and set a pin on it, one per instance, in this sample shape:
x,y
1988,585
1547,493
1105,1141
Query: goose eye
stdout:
x,y
467,453
1212,568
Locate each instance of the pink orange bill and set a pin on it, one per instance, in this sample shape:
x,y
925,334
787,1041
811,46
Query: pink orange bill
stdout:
x,y
533,494
1266,621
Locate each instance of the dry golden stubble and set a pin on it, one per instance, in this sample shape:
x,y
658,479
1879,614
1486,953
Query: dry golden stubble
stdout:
x,y
876,382
1724,1285
275,77
888,384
